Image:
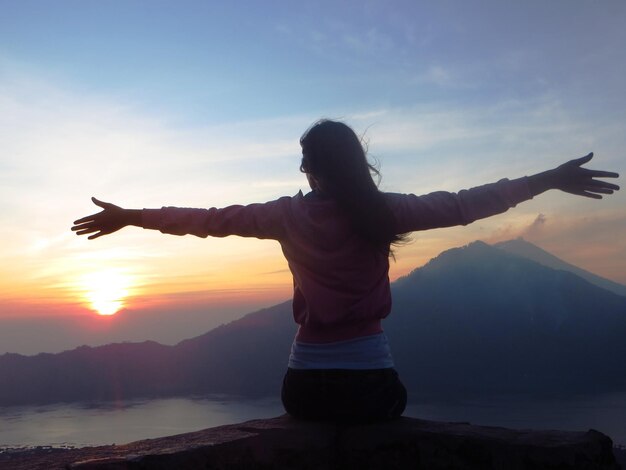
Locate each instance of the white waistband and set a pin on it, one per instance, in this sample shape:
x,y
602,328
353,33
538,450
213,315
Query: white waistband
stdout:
x,y
366,352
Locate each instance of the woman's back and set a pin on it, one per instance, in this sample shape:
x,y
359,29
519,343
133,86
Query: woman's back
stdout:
x,y
341,284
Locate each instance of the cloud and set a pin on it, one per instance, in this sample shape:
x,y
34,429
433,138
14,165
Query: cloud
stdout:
x,y
534,229
509,231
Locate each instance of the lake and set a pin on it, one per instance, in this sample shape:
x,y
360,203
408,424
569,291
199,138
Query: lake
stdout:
x,y
79,425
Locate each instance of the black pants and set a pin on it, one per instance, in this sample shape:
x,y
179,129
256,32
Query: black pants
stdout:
x,y
344,395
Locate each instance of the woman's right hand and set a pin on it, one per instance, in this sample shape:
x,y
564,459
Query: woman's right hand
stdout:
x,y
109,220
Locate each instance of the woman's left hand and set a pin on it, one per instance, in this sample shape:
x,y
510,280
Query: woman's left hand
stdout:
x,y
572,178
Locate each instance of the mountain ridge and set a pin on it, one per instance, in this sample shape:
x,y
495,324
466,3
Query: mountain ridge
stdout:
x,y
474,319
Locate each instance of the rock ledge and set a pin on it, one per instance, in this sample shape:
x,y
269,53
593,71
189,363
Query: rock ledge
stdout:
x,y
284,443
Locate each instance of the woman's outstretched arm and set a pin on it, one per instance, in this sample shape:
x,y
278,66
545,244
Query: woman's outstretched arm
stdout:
x,y
264,221
572,178
109,220
445,209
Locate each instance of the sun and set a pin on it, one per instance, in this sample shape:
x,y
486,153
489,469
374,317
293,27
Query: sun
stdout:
x,y
106,291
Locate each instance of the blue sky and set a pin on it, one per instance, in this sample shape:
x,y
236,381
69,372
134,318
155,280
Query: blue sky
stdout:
x,y
207,62
150,103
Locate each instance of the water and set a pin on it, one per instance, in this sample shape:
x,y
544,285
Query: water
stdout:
x,y
118,423
605,413
79,425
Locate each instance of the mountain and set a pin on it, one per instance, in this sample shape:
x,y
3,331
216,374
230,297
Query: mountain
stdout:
x,y
481,320
473,320
245,357
522,248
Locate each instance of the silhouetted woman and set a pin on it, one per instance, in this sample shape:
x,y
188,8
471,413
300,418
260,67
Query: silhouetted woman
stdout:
x,y
337,241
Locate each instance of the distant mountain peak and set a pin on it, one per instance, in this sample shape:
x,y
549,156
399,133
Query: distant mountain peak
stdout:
x,y
470,252
459,258
525,249
479,253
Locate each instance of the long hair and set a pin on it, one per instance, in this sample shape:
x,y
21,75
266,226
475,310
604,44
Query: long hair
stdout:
x,y
332,153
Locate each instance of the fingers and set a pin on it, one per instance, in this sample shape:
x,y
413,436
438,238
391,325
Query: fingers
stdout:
x,y
599,190
89,218
99,234
590,195
87,231
86,225
85,228
603,191
593,173
92,217
602,174
582,160
100,203
585,193
603,184
96,231
594,191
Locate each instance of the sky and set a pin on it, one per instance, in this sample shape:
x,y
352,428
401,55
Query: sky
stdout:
x,y
201,104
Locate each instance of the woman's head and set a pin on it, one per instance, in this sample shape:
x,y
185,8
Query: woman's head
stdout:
x,y
332,153
333,156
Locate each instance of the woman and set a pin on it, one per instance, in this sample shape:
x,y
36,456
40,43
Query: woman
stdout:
x,y
337,241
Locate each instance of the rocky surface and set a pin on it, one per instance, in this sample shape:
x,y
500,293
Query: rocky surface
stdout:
x,y
283,443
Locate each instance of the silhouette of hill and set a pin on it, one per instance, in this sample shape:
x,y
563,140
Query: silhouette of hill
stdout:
x,y
475,319
245,357
111,372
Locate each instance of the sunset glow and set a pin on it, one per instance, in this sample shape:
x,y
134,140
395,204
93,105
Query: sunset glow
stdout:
x,y
106,291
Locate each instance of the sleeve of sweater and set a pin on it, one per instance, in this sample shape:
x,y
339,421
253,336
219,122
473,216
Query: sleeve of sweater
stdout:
x,y
265,220
444,209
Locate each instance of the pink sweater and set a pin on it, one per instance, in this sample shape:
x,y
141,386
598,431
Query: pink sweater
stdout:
x,y
341,285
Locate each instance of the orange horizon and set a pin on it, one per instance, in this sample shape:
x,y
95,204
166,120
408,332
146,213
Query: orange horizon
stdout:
x,y
245,281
